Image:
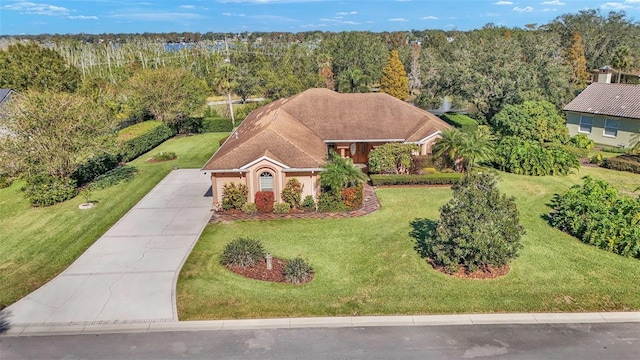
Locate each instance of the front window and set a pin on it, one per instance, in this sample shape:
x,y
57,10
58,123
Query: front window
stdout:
x,y
266,181
611,128
585,124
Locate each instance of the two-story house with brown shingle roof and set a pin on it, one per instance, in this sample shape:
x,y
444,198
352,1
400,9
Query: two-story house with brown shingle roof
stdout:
x,y
291,138
609,114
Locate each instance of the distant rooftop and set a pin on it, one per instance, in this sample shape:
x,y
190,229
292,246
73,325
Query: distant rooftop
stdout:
x,y
619,100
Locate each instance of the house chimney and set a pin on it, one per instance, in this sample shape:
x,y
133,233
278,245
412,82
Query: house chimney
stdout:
x,y
603,75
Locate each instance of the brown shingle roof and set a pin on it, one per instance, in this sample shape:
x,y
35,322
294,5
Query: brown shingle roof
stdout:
x,y
619,100
293,131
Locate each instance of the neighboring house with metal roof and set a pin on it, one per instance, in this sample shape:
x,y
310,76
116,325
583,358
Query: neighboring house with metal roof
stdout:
x,y
609,114
291,138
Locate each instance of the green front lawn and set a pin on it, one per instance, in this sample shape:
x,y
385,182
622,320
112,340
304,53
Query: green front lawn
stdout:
x,y
367,265
38,243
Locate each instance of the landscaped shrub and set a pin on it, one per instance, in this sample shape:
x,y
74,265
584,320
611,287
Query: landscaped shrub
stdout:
x,y
308,204
353,197
114,177
578,152
5,181
596,214
627,162
392,158
164,156
581,141
216,124
139,145
292,193
265,201
95,167
281,208
537,121
596,159
234,195
249,208
330,202
615,150
188,125
242,252
523,157
46,190
297,271
427,179
461,121
477,228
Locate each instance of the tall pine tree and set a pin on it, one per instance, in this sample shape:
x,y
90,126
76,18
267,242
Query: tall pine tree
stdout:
x,y
578,62
394,78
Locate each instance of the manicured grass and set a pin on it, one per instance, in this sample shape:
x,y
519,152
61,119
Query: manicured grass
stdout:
x,y
367,265
38,243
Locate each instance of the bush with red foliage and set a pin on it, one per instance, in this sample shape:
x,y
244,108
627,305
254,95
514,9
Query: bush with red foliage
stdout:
x,y
353,197
265,201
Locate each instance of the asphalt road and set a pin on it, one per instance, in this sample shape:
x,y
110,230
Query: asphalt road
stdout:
x,y
547,341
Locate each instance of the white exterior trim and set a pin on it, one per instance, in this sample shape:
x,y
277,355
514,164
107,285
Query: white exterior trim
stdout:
x,y
264,158
233,171
363,141
302,170
429,137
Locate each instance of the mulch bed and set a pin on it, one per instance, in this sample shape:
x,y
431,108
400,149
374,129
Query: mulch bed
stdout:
x,y
490,272
260,272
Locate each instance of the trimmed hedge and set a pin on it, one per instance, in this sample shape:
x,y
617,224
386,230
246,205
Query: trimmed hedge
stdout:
x,y
462,122
95,167
216,124
427,179
139,145
628,162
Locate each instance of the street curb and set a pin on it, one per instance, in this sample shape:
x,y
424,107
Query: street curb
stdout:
x,y
325,322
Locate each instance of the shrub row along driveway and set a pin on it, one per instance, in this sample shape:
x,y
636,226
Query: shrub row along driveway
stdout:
x,y
129,274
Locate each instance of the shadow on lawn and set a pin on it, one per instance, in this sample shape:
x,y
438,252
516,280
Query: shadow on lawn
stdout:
x,y
422,230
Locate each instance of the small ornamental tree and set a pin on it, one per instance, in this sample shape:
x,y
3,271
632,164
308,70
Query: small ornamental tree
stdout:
x,y
234,196
394,78
478,228
531,120
292,193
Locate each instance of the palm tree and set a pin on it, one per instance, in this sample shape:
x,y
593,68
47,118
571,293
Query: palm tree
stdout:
x,y
353,81
340,173
477,147
622,60
449,145
464,149
635,140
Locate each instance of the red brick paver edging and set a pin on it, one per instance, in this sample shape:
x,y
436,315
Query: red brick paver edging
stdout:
x,y
370,204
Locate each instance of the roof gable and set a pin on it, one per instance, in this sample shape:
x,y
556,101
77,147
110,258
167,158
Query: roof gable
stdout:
x,y
619,100
293,131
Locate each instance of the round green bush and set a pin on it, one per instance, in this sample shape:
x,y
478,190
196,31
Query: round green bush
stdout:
x,y
242,252
297,271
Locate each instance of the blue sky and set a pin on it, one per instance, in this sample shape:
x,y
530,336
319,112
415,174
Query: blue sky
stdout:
x,y
121,16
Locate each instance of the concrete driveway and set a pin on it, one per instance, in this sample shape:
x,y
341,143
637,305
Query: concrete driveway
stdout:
x,y
129,275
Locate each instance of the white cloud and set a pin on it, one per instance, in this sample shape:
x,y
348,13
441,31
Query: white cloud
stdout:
x,y
503,3
524,9
31,8
549,9
615,5
429,18
187,6
398,20
82,17
342,13
553,2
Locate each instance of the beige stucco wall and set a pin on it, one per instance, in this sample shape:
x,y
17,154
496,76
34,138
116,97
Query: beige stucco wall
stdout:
x,y
219,180
310,180
626,129
426,148
254,178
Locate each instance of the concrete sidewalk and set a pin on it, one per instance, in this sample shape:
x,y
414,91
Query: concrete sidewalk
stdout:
x,y
331,322
130,273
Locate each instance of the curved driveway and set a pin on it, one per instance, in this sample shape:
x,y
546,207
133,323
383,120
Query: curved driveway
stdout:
x,y
129,275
